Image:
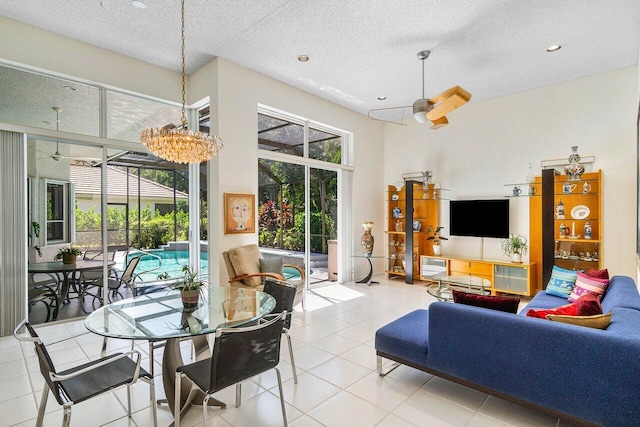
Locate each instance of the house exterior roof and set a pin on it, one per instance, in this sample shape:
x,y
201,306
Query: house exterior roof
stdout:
x,y
87,181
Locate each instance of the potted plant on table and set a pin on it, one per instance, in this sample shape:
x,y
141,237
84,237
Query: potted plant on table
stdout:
x,y
435,237
515,247
190,288
68,255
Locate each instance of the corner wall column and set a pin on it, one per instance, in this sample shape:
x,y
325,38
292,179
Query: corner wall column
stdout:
x,y
13,230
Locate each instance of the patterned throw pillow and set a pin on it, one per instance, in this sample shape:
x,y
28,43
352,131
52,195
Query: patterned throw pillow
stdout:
x,y
561,282
588,285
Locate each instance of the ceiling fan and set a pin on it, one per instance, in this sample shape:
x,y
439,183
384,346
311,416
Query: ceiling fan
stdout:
x,y
57,156
425,110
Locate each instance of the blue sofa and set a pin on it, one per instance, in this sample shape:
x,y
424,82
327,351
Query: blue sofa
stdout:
x,y
585,375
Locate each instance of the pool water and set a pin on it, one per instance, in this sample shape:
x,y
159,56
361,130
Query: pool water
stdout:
x,y
170,262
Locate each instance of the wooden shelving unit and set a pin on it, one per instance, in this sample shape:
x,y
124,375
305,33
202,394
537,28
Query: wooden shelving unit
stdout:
x,y
547,246
417,205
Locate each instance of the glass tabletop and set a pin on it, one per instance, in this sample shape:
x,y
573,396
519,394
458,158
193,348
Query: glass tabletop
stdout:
x,y
160,315
444,285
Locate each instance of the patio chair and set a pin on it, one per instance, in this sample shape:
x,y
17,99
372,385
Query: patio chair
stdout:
x,y
88,380
238,354
247,267
92,279
43,289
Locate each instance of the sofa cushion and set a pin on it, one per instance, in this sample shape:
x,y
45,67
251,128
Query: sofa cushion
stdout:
x,y
245,260
621,292
507,304
624,322
561,282
272,264
588,285
598,321
587,305
406,337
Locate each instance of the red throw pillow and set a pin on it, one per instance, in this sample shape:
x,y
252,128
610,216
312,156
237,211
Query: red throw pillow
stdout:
x,y
600,274
507,304
586,305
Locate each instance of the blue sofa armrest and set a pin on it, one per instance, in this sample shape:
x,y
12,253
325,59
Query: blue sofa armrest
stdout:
x,y
587,373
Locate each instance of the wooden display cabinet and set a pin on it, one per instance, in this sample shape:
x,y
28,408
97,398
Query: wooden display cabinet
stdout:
x,y
405,238
582,203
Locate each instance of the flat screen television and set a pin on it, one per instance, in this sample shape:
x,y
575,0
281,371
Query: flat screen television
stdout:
x,y
479,218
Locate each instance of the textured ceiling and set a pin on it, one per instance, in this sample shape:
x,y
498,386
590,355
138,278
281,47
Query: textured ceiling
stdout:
x,y
362,49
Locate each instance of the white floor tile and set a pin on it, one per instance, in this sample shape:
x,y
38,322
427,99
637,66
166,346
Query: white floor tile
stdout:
x,y
456,393
263,410
345,409
334,344
425,409
340,372
516,415
308,393
15,387
18,409
392,420
385,393
364,355
309,356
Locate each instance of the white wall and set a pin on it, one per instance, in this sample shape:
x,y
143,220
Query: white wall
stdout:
x,y
240,91
32,46
490,143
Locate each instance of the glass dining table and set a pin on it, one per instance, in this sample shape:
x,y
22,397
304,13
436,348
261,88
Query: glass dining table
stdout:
x,y
160,317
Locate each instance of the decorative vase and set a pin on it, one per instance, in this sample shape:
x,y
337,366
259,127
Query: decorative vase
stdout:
x,y
531,178
68,258
575,170
437,250
367,239
190,298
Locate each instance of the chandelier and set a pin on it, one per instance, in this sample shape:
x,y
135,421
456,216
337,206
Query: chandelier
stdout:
x,y
180,145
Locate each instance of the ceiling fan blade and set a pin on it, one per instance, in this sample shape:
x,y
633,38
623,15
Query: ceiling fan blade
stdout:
x,y
448,101
440,122
394,115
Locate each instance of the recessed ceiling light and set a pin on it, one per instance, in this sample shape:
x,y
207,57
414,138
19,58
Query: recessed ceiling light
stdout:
x,y
382,98
303,58
138,4
554,48
69,87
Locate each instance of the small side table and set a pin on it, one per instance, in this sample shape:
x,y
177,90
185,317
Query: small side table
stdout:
x,y
367,278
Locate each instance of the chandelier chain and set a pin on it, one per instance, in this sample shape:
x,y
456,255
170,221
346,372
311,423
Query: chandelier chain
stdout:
x,y
184,117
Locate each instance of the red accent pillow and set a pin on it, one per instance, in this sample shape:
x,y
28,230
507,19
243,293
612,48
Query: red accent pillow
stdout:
x,y
600,274
586,305
507,304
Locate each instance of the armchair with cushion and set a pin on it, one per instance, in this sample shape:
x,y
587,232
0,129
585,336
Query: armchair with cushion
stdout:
x,y
247,267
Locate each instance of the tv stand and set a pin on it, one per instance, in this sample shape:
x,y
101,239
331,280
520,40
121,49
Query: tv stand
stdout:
x,y
505,277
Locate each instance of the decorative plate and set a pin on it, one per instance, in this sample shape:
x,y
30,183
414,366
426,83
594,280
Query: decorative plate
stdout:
x,y
580,212
395,197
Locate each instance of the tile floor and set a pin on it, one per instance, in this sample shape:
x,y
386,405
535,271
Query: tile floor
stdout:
x,y
338,384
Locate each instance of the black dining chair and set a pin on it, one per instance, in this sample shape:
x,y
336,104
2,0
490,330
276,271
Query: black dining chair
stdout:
x,y
238,354
88,380
92,279
284,294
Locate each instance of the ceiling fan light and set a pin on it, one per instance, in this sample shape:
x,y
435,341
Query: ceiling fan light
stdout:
x,y
420,109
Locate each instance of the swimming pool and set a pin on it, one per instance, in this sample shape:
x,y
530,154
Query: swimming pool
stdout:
x,y
157,261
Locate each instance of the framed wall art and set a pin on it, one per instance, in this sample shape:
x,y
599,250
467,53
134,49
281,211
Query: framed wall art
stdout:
x,y
239,213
